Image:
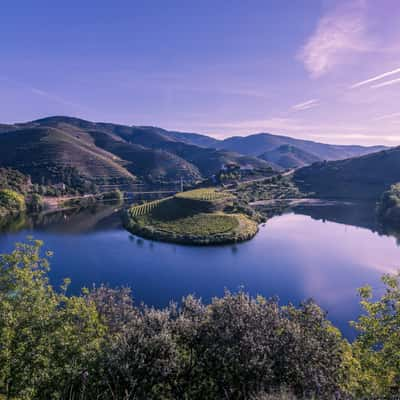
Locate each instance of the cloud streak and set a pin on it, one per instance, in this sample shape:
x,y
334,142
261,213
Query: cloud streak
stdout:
x,y
387,83
339,34
376,78
306,105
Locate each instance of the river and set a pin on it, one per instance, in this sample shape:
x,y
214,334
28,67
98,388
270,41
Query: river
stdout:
x,y
321,252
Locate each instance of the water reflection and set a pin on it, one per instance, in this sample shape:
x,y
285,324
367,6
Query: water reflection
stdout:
x,y
99,216
322,252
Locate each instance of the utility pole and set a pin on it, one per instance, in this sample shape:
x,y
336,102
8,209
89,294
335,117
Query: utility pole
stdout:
x,y
181,184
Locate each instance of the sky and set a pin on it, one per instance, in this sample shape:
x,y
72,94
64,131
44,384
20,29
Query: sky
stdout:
x,y
324,70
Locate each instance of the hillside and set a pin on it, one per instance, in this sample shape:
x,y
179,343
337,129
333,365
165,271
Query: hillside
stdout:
x,y
65,149
365,177
53,155
70,150
264,142
288,156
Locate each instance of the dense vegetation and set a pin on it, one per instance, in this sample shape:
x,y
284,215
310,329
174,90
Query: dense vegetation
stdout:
x,y
388,209
274,188
11,202
99,345
195,217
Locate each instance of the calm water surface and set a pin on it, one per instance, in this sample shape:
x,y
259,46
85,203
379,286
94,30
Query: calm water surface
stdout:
x,y
309,253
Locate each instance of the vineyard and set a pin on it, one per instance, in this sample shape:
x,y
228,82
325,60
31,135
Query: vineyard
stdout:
x,y
207,194
192,217
145,208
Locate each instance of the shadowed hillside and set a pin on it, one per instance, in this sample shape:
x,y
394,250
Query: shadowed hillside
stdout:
x,y
365,177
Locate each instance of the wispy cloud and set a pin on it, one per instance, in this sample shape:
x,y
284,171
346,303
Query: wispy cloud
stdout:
x,y
55,98
387,83
387,116
375,78
306,105
338,34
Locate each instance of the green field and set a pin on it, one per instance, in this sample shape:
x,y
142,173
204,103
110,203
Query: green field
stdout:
x,y
198,224
182,219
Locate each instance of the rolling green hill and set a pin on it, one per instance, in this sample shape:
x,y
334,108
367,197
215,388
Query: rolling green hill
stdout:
x,y
365,177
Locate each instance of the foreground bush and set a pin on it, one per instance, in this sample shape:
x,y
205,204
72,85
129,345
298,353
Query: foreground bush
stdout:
x,y
101,346
47,340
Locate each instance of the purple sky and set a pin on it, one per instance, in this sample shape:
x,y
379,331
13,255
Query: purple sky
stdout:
x,y
314,69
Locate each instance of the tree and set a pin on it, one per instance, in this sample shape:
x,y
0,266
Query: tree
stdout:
x,y
35,203
377,348
12,201
47,339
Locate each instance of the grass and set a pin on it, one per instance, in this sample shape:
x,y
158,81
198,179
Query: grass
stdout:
x,y
198,224
174,220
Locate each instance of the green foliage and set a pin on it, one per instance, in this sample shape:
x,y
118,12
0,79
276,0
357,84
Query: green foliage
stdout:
x,y
47,339
35,203
11,202
277,187
388,209
14,180
190,217
198,224
235,348
377,348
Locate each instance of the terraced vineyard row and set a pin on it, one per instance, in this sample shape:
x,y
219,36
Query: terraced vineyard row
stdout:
x,y
145,208
202,194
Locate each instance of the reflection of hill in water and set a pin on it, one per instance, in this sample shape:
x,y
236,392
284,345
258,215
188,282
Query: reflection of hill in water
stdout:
x,y
356,214
359,214
77,220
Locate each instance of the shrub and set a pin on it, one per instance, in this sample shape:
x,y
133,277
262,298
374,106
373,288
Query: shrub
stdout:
x,y
47,340
11,201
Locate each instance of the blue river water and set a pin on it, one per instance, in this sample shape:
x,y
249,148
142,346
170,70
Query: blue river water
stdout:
x,y
295,256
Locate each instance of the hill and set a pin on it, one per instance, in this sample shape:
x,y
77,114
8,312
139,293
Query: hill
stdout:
x,y
65,149
75,151
51,155
193,217
265,142
288,156
365,177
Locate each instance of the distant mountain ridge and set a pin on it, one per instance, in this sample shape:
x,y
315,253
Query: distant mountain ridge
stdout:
x,y
263,142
